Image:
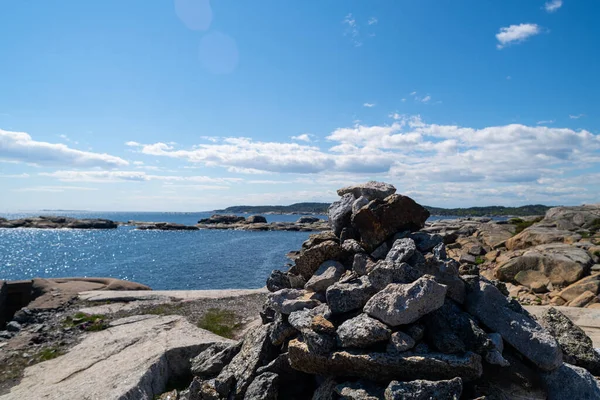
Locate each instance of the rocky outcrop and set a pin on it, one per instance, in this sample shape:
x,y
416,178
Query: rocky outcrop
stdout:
x,y
52,222
133,359
166,226
384,313
259,223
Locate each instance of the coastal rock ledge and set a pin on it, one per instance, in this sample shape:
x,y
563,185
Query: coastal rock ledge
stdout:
x,y
376,309
52,222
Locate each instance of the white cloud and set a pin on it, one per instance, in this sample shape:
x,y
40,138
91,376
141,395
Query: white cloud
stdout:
x,y
53,189
550,121
138,163
129,176
132,144
19,146
516,34
372,21
413,93
305,137
576,116
403,100
15,176
553,5
425,99
369,105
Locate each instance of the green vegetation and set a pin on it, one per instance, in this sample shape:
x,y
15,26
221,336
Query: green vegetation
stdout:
x,y
522,225
490,211
87,322
218,321
479,260
597,253
595,226
321,208
48,353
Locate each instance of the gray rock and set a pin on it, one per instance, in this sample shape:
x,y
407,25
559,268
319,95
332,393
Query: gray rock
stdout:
x,y
380,219
424,390
318,343
284,280
467,259
496,339
256,219
13,326
577,347
380,367
235,378
212,360
349,295
340,212
516,326
570,382
360,263
401,304
310,259
263,387
352,246
445,273
293,384
415,331
401,251
317,238
281,331
359,391
326,390
426,242
287,301
359,203
399,342
307,220
328,273
439,252
451,330
371,190
134,359
386,272
302,319
362,331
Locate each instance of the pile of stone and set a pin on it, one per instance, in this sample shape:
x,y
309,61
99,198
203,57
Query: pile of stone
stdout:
x,y
375,309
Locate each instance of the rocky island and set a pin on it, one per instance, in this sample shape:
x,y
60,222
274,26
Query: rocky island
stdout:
x,y
382,305
52,222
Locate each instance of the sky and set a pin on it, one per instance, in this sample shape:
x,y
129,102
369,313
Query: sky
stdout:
x,y
191,105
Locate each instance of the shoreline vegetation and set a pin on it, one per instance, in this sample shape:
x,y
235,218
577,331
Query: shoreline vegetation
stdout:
x,y
321,209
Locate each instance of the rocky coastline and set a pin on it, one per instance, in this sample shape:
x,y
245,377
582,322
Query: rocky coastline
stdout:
x,y
381,305
52,222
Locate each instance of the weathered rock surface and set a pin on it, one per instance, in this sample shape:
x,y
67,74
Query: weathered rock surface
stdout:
x,y
538,235
493,309
359,390
560,263
384,272
402,250
222,219
260,219
349,295
371,190
165,226
401,304
339,213
400,342
380,219
362,331
133,359
576,346
311,259
287,301
572,218
52,222
328,273
385,366
263,387
212,360
588,284
424,390
570,382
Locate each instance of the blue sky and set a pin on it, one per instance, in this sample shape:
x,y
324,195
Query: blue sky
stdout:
x,y
187,105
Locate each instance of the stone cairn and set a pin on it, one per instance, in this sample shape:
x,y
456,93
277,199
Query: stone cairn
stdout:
x,y
374,309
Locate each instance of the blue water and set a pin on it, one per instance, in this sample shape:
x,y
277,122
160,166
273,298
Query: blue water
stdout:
x,y
204,259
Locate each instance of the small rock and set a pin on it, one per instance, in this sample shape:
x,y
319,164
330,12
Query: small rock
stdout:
x,y
287,301
339,213
570,382
424,390
467,259
318,343
371,190
359,391
362,331
328,273
13,326
401,251
400,304
352,246
359,264
399,342
307,220
320,324
426,242
415,331
303,319
351,295
439,252
582,300
386,272
212,360
263,387
256,219
359,203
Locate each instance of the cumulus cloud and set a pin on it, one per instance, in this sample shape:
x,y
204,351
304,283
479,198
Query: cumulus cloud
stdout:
x,y
545,122
516,34
305,137
369,105
20,147
553,5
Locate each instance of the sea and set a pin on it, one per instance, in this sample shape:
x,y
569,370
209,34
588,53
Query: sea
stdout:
x,y
163,260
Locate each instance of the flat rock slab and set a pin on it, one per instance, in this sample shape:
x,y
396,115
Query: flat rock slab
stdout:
x,y
587,319
133,359
133,295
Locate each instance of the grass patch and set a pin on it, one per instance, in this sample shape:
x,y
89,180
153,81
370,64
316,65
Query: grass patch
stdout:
x,y
597,253
584,234
86,322
595,225
163,309
221,322
479,260
521,225
48,353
